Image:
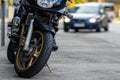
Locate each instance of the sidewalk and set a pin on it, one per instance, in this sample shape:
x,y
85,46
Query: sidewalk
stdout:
x,y
6,38
116,20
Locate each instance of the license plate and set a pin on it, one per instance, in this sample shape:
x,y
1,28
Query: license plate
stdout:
x,y
79,25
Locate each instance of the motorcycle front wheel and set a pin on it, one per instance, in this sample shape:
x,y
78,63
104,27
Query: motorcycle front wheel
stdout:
x,y
29,63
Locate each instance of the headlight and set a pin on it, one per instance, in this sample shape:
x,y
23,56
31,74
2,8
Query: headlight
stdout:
x,y
46,3
92,20
67,20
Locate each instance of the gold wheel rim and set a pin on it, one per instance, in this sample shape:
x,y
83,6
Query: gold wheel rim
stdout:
x,y
35,56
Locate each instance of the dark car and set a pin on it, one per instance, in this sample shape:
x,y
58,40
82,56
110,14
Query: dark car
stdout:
x,y
87,16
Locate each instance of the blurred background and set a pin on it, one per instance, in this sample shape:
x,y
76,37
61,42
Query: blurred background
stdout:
x,y
82,54
9,5
116,2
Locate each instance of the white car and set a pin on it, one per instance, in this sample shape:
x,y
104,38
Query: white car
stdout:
x,y
109,8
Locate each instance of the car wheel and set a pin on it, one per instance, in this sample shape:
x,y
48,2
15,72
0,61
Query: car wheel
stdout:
x,y
76,30
106,28
66,29
98,29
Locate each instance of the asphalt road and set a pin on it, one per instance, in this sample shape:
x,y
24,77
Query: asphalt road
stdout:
x,y
85,55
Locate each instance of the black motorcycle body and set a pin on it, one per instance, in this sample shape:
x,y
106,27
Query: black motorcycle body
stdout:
x,y
31,36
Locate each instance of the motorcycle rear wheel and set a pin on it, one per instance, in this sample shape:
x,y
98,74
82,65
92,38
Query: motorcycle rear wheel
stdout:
x,y
28,66
11,52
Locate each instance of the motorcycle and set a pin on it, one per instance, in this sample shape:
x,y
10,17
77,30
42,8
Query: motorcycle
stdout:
x,y
32,35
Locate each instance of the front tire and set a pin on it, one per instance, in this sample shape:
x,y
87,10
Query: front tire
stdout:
x,y
76,30
37,58
98,29
11,52
66,28
106,28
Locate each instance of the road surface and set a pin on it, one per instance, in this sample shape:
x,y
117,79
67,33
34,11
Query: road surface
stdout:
x,y
85,55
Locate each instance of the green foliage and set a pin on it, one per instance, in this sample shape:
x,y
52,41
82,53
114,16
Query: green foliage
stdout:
x,y
92,0
83,1
70,5
80,1
10,2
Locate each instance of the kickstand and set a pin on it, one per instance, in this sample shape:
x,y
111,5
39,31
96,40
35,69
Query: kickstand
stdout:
x,y
49,68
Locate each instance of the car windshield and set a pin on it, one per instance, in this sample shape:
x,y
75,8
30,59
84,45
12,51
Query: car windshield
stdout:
x,y
74,10
88,9
85,9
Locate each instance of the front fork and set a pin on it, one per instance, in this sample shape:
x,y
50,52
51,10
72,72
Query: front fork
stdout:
x,y
29,33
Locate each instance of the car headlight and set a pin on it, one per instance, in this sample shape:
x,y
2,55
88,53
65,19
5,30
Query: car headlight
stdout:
x,y
67,20
46,3
92,20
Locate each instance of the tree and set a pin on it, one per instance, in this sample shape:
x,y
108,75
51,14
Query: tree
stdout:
x,y
92,0
80,1
70,5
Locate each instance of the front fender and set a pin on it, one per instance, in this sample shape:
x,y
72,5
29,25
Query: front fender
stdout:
x,y
44,27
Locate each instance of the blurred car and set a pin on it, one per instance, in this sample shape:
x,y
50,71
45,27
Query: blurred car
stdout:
x,y
87,16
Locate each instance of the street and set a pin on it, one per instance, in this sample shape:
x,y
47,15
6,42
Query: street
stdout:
x,y
83,55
